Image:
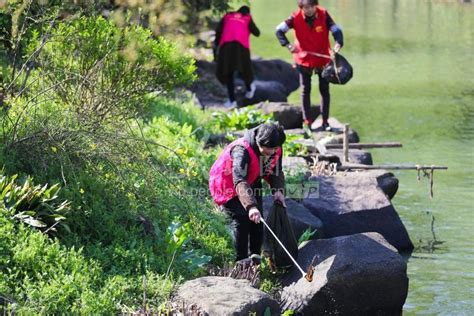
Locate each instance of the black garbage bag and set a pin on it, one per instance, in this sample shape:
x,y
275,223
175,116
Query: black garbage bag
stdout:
x,y
278,222
338,71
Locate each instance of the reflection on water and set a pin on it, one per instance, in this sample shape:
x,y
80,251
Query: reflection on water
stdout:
x,y
413,83
431,244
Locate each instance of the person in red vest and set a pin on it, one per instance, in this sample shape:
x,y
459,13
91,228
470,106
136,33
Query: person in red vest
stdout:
x,y
235,182
311,24
233,45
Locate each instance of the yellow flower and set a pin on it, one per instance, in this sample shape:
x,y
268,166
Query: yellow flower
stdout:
x,y
54,149
81,190
181,151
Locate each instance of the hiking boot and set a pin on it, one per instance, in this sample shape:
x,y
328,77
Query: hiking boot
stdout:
x,y
250,93
230,104
326,127
256,259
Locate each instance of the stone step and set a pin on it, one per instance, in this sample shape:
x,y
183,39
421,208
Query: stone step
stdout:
x,y
213,295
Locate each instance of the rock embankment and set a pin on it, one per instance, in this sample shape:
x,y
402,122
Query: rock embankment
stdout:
x,y
355,251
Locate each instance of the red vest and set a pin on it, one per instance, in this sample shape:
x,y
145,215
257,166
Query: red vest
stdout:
x,y
236,28
311,39
221,182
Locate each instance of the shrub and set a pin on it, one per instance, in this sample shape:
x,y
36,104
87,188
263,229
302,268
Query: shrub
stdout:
x,y
242,118
104,71
76,105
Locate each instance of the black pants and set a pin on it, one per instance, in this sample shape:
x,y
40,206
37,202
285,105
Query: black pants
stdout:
x,y
234,58
248,235
305,83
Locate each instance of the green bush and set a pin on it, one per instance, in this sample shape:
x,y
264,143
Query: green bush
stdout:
x,y
99,69
240,119
91,79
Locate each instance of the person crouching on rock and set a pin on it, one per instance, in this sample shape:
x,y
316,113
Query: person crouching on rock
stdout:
x,y
233,45
236,186
311,24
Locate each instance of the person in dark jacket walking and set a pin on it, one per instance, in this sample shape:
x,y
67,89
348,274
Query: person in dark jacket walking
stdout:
x,y
236,186
311,24
233,51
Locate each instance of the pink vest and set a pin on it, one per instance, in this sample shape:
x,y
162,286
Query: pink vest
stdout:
x,y
236,28
221,182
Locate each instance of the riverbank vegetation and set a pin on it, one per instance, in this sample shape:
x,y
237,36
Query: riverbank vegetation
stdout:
x,y
104,204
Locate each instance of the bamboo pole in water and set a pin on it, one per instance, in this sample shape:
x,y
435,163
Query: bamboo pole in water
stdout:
x,y
389,167
418,168
364,145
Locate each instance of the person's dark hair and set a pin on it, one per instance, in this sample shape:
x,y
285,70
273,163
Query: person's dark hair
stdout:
x,y
270,135
244,10
310,2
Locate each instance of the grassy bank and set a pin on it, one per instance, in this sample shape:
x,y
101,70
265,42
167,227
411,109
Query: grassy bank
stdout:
x,y
140,227
104,180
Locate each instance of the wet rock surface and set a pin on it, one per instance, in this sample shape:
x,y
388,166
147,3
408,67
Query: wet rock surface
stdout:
x,y
360,274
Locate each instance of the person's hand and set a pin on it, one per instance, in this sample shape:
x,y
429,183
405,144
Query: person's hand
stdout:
x,y
292,49
335,50
254,215
278,196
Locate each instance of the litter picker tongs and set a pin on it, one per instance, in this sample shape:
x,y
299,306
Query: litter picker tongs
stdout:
x,y
309,274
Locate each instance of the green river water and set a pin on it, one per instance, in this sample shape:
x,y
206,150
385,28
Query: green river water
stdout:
x,y
413,83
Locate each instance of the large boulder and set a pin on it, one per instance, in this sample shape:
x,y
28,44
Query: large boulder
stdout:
x,y
275,80
351,203
359,274
214,295
272,91
277,70
299,216
387,182
289,116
